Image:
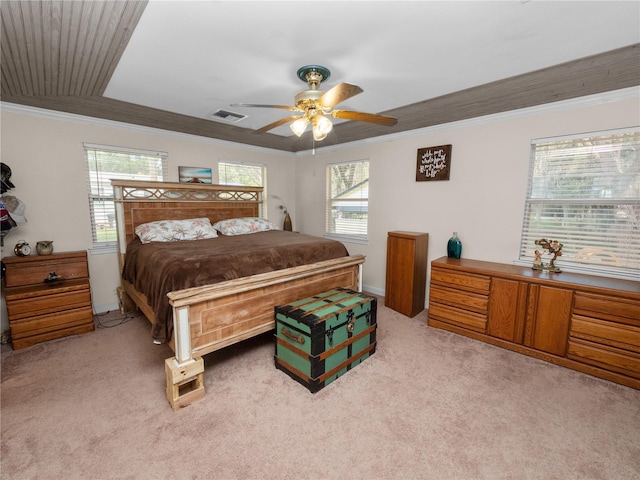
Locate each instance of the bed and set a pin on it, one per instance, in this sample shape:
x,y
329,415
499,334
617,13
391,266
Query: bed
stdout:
x,y
217,312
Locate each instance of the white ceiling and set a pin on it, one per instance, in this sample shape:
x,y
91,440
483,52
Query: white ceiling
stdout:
x,y
194,57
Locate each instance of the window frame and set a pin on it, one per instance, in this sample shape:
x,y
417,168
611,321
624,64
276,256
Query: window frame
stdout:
x,y
610,261
263,167
330,201
104,184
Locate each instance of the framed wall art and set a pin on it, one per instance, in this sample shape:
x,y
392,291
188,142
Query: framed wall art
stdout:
x,y
195,175
434,163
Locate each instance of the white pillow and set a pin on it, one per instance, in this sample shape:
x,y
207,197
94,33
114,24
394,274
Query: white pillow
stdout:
x,y
244,225
175,230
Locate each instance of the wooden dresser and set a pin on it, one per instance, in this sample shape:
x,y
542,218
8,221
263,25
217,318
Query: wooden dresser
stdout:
x,y
40,311
406,272
584,322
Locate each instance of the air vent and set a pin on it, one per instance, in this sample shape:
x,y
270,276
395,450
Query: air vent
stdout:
x,y
227,116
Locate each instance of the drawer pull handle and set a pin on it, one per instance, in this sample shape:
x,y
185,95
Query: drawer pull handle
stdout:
x,y
296,338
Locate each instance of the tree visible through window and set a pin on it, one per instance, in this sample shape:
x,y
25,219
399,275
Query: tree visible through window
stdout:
x,y
246,175
242,174
348,199
107,163
584,191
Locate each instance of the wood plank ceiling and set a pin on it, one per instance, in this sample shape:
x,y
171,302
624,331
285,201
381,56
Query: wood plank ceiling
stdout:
x,y
60,55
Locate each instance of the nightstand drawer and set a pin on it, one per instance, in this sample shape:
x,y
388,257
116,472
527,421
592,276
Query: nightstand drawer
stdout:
x,y
34,269
37,325
24,303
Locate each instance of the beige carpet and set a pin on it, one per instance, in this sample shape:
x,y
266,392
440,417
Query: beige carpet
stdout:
x,y
429,404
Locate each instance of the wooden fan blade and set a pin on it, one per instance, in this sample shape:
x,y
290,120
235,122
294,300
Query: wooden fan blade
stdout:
x,y
339,93
282,121
282,107
365,117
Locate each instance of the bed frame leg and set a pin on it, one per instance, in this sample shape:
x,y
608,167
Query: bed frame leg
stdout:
x,y
185,382
125,301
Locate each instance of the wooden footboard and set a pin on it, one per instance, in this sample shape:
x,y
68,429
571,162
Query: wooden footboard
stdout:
x,y
212,317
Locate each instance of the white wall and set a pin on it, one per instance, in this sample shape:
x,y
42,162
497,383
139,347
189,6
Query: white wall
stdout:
x,y
483,200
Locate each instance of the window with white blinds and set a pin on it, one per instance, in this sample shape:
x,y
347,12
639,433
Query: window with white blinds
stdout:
x,y
247,175
105,163
347,200
584,191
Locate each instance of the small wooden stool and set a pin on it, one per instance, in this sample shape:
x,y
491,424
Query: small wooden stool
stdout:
x,y
185,383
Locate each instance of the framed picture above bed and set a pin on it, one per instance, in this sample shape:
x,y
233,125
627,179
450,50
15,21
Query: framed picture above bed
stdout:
x,y
195,175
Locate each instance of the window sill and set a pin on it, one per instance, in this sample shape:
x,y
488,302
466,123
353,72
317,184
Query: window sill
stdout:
x,y
348,239
100,250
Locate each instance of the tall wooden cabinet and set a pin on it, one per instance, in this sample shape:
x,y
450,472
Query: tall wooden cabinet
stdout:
x,y
406,272
583,322
42,310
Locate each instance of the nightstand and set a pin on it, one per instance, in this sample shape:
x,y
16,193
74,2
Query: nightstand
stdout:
x,y
40,311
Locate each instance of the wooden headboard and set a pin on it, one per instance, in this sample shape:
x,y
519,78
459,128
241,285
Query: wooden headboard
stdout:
x,y
139,202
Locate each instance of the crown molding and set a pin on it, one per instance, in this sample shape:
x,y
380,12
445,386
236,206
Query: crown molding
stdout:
x,y
586,101
579,102
84,119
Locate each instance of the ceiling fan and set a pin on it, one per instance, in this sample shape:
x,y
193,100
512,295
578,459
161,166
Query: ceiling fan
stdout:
x,y
316,105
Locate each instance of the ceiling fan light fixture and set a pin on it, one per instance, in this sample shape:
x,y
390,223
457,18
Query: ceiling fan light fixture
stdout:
x,y
299,126
321,127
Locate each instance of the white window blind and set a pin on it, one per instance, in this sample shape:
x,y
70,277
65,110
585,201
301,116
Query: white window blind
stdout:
x,y
244,174
584,191
105,163
347,200
248,175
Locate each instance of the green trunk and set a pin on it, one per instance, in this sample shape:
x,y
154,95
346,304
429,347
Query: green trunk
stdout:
x,y
320,338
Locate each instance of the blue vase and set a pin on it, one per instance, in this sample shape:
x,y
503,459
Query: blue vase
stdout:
x,y
454,246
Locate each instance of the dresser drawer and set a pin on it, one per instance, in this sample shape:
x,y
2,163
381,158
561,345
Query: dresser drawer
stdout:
x,y
456,316
24,304
466,281
605,356
607,308
618,335
457,298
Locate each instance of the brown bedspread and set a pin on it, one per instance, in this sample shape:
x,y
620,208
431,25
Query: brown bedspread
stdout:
x,y
157,268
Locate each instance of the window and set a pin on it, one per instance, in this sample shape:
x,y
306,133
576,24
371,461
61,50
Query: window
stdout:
x,y
242,174
105,163
348,200
584,191
246,175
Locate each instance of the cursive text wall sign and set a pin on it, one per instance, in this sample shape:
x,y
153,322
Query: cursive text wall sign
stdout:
x,y
434,163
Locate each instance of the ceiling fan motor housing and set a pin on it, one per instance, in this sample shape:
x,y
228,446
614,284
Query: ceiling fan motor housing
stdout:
x,y
308,99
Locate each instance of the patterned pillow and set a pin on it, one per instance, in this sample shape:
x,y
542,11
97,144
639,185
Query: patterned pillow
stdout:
x,y
242,226
175,230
